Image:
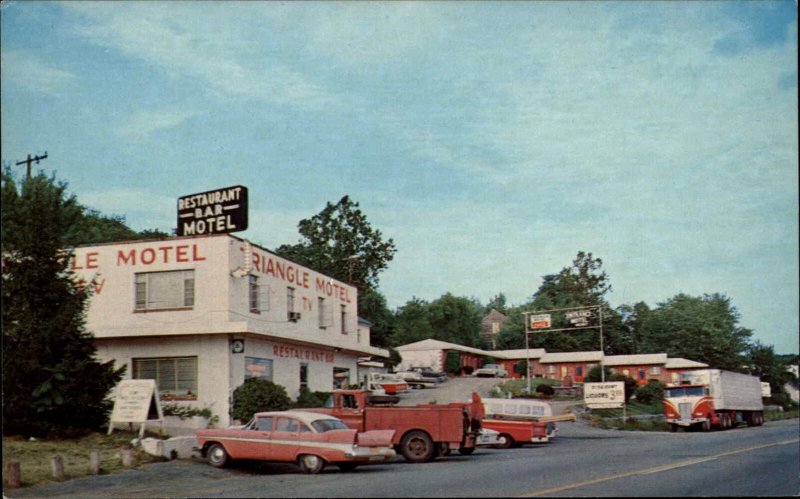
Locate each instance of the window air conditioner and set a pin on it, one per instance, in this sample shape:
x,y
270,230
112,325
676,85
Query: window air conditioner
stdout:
x,y
294,316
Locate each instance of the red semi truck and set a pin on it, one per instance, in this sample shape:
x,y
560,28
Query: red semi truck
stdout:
x,y
709,398
422,432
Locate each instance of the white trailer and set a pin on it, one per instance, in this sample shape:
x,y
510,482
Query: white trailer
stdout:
x,y
714,398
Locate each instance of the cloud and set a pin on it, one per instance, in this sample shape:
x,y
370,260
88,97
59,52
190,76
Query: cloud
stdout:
x,y
177,39
145,123
28,72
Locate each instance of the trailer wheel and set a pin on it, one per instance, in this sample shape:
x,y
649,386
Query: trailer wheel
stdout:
x,y
417,447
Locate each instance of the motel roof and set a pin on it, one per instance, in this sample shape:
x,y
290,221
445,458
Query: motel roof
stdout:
x,y
550,358
635,360
680,363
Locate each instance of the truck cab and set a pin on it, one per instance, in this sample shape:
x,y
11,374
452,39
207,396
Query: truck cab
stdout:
x,y
688,405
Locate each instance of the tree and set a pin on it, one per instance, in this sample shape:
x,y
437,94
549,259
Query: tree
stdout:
x,y
52,383
456,320
704,329
372,306
411,323
339,242
769,369
498,302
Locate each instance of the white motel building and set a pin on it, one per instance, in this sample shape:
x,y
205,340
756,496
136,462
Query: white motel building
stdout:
x,y
202,314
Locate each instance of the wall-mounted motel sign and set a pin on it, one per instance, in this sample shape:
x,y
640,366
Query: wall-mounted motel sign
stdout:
x,y
214,212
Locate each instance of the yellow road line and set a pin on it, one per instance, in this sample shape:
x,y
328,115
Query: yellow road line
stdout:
x,y
654,469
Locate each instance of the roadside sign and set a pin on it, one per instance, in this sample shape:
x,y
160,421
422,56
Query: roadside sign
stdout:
x,y
609,395
136,401
540,321
214,212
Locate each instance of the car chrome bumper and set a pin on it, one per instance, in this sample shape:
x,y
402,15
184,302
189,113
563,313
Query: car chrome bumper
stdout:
x,y
371,453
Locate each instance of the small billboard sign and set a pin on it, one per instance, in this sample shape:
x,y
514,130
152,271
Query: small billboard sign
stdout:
x,y
540,321
610,395
214,212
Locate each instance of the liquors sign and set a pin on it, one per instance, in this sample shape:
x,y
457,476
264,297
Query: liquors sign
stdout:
x,y
214,212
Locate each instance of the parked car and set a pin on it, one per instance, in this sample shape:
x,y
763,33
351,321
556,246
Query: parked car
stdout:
x,y
416,380
310,439
491,371
389,383
427,372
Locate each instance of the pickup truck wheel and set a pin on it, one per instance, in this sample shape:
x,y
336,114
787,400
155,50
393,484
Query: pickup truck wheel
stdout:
x,y
506,441
417,447
310,463
444,449
217,456
466,451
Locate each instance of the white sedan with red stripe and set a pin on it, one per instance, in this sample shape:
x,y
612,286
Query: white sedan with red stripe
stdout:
x,y
309,439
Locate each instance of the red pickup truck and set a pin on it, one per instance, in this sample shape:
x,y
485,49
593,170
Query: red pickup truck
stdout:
x,y
422,432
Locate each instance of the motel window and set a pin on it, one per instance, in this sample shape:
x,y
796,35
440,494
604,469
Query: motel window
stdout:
x,y
254,292
655,370
579,371
303,376
255,368
290,300
641,373
344,319
176,377
551,369
164,290
325,314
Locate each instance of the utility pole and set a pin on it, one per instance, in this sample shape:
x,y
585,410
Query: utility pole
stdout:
x,y
31,160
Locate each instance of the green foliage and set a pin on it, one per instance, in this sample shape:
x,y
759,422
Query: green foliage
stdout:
x,y
704,329
452,363
339,242
770,369
258,395
307,398
449,318
545,389
52,382
521,367
372,307
650,393
411,323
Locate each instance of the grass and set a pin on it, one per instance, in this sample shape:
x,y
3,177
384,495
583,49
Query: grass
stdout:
x,y
35,456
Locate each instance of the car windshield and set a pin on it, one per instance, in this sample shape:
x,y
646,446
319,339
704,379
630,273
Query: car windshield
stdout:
x,y
490,366
684,391
323,425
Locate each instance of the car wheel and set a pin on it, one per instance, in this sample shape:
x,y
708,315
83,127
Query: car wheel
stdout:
x,y
217,456
506,441
347,466
417,447
310,463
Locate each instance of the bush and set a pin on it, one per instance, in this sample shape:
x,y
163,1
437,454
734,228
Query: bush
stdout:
x,y
307,398
650,393
257,395
545,389
452,362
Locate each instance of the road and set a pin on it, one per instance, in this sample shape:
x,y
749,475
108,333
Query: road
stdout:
x,y
582,461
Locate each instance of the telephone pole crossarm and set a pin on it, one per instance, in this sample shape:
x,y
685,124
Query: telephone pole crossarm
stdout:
x,y
30,160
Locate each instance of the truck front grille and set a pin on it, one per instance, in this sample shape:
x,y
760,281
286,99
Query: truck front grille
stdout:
x,y
686,410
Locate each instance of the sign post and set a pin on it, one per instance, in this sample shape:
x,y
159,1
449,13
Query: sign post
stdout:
x,y
136,401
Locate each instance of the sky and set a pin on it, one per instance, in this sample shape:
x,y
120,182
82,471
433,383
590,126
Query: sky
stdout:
x,y
491,141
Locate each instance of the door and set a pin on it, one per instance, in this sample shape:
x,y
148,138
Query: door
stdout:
x,y
284,439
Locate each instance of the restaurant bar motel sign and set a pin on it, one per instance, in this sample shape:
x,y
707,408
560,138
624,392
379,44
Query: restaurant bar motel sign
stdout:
x,y
214,212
